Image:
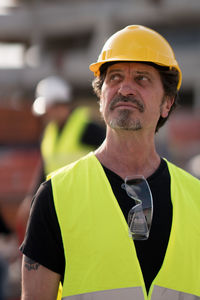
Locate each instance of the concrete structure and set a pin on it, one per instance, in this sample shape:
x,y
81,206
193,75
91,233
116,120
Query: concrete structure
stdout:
x,y
64,37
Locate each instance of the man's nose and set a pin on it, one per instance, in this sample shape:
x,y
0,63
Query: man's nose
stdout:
x,y
127,88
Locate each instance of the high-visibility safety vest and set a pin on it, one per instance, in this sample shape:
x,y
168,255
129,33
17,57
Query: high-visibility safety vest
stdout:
x,y
101,260
59,149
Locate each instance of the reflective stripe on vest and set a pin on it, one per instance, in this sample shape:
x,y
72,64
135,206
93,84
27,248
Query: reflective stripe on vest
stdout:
x,y
118,294
135,293
100,255
59,149
160,293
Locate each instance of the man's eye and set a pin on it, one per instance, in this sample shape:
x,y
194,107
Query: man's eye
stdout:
x,y
114,77
142,78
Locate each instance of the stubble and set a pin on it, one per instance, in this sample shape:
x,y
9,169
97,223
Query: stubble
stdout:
x,y
125,119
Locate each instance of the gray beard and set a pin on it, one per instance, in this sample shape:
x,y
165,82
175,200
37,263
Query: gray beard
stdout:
x,y
125,122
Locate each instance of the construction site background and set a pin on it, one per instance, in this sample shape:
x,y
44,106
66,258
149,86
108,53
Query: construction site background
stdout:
x,y
63,38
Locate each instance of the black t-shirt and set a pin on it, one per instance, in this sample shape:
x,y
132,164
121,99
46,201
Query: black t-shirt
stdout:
x,y
43,242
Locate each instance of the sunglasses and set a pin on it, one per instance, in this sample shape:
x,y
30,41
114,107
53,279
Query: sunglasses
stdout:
x,y
140,215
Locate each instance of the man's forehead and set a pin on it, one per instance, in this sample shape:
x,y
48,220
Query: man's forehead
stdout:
x,y
135,66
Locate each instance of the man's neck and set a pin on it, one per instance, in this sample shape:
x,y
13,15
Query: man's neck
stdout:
x,y
129,154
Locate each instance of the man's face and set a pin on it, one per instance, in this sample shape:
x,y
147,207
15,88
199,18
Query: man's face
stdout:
x,y
132,97
57,113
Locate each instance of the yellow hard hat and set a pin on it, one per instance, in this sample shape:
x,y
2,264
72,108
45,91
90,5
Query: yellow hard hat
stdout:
x,y
137,43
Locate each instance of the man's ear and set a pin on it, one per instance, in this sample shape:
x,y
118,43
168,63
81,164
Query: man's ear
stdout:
x,y
166,106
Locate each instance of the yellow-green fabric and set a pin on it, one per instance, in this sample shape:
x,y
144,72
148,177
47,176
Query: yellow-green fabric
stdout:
x,y
181,266
61,148
100,255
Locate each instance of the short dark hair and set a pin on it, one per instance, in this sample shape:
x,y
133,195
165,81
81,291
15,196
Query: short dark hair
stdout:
x,y
169,78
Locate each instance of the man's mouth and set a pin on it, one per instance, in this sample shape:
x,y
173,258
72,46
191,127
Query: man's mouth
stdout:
x,y
125,105
126,102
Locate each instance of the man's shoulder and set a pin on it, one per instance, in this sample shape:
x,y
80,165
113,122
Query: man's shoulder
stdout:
x,y
81,164
182,175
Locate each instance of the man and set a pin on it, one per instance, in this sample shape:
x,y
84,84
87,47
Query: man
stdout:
x,y
5,231
8,256
69,134
85,228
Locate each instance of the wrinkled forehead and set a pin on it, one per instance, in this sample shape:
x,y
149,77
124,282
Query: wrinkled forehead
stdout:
x,y
142,65
132,67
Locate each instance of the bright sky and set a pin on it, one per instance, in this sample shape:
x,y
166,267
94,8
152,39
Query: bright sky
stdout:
x,y
11,55
4,3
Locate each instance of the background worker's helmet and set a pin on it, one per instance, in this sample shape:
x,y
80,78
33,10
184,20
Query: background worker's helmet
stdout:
x,y
49,91
140,44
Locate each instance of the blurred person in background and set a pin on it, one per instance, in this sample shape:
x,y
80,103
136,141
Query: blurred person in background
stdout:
x,y
69,133
4,231
121,222
8,254
3,277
